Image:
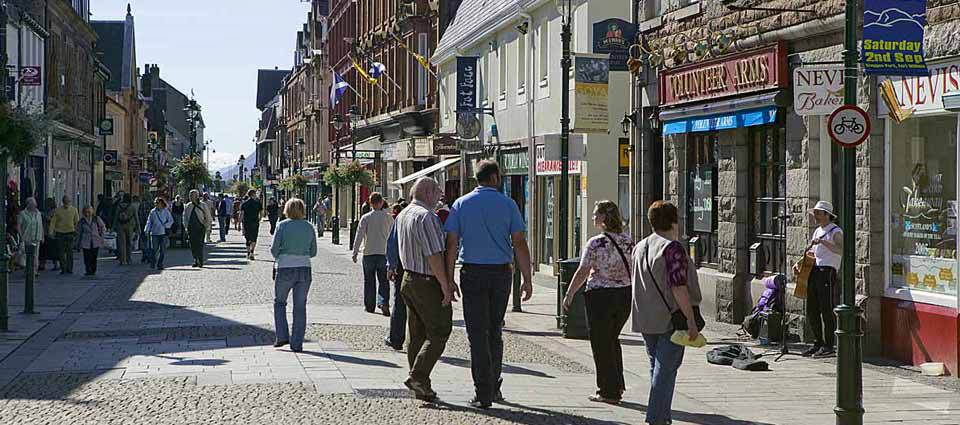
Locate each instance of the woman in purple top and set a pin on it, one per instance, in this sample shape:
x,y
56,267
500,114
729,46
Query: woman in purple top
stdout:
x,y
606,270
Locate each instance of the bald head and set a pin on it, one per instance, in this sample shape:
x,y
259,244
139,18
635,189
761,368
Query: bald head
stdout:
x,y
426,190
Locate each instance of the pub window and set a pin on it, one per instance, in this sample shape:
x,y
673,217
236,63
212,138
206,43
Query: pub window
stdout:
x,y
768,190
702,195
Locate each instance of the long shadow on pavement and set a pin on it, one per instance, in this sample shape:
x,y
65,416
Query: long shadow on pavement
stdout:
x,y
694,418
525,414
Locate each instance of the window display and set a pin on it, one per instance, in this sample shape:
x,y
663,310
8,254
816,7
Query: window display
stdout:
x,y
923,205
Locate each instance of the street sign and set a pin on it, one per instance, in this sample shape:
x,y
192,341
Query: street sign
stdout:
x,y
110,158
31,76
849,126
106,127
367,154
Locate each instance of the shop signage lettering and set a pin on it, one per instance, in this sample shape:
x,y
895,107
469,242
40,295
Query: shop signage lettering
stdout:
x,y
893,37
925,93
624,155
31,76
591,99
702,200
547,167
466,83
515,162
817,90
445,145
743,73
613,37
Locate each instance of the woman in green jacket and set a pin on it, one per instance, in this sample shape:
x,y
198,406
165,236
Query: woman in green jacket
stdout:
x,y
294,244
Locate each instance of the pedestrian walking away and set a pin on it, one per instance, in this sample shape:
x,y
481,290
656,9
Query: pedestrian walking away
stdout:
x,y
398,316
273,213
159,223
426,289
223,217
178,229
211,207
293,246
373,232
236,213
250,212
664,282
485,230
606,270
126,222
196,218
31,229
320,211
63,225
50,249
823,292
91,230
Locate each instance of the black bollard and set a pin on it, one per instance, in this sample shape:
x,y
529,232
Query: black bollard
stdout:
x,y
335,229
31,271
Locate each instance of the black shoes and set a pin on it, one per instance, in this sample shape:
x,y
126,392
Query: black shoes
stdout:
x,y
386,341
420,390
811,351
825,352
480,404
385,310
279,344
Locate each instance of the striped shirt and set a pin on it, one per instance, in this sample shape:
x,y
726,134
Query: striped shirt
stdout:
x,y
419,236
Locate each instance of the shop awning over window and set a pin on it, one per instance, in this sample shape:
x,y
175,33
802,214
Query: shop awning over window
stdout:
x,y
734,113
426,171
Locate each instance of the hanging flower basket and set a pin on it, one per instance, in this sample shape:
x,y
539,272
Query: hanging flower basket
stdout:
x,y
349,174
295,184
21,131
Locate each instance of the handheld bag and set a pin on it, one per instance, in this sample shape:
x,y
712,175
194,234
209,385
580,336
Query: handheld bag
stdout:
x,y
677,318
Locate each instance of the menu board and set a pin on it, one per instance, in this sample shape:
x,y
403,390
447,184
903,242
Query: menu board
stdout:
x,y
702,200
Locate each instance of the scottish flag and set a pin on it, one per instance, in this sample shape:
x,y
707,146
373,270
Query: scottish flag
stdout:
x,y
377,70
337,89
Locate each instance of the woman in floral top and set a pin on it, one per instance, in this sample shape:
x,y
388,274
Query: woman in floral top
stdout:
x,y
605,268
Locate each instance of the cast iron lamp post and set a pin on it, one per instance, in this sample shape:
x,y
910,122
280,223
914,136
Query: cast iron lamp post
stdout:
x,y
335,220
240,168
354,116
565,7
192,110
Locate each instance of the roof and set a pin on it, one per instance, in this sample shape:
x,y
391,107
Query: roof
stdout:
x,y
117,41
475,18
269,82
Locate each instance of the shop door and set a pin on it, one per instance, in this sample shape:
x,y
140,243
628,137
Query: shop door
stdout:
x,y
768,200
547,218
702,195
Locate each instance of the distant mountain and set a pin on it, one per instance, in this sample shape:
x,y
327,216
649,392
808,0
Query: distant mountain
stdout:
x,y
891,17
249,161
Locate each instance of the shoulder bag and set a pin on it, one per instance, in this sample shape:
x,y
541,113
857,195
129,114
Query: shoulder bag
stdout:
x,y
677,318
623,257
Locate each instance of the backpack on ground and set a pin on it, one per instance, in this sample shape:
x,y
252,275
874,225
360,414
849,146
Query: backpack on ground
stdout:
x,y
769,303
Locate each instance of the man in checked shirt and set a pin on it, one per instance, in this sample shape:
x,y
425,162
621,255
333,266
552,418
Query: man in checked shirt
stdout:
x,y
426,289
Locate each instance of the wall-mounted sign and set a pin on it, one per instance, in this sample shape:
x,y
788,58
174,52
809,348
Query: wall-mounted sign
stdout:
x,y
467,76
624,155
31,76
547,167
849,126
110,158
746,72
893,37
613,37
445,145
924,94
106,127
702,200
591,99
817,90
515,162
133,164
422,147
359,155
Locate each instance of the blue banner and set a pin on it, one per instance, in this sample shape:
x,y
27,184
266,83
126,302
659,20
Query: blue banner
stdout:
x,y
893,37
467,75
614,36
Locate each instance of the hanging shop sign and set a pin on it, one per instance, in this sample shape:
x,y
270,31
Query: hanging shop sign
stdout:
x,y
422,147
613,37
624,155
30,76
849,126
921,94
893,37
110,158
106,126
515,162
746,72
817,90
445,145
133,164
591,88
466,83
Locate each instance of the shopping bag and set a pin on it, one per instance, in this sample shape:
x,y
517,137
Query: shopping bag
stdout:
x,y
110,241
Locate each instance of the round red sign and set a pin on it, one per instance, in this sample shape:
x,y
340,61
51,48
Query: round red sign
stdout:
x,y
849,126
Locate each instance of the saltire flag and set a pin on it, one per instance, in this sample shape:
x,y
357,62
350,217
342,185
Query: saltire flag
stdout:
x,y
337,89
377,70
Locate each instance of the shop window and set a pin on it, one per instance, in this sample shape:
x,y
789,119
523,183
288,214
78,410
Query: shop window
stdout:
x,y
768,196
922,201
702,195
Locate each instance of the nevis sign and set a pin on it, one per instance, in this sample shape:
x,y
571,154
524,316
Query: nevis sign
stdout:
x,y
817,90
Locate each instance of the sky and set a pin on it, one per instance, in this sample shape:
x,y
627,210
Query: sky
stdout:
x,y
215,48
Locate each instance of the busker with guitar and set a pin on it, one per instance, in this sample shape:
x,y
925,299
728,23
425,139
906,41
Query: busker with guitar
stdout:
x,y
826,245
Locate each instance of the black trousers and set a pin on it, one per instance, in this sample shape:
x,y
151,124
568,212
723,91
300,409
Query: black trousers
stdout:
x,y
607,313
90,260
486,290
822,295
196,244
273,223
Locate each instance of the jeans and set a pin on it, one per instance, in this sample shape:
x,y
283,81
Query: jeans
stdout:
x,y
224,227
159,243
196,245
375,269
90,260
607,312
430,323
486,290
297,279
65,241
822,295
321,223
398,316
665,360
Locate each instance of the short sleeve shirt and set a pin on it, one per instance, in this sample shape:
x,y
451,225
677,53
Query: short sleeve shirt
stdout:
x,y
419,236
676,260
607,267
485,220
251,210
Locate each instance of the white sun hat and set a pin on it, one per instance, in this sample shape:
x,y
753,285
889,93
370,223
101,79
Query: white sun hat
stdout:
x,y
825,207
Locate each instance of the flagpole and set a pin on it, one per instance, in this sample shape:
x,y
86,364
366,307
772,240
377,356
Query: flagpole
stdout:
x,y
348,84
415,55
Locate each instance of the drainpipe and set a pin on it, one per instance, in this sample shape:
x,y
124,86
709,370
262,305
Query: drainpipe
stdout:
x,y
794,32
533,207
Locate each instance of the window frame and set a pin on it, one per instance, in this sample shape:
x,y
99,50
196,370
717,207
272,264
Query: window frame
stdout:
x,y
708,244
772,238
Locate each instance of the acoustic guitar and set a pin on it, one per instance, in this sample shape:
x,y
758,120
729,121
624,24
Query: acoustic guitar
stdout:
x,y
802,269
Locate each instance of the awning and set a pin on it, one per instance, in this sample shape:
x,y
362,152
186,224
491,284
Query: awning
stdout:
x,y
734,113
426,171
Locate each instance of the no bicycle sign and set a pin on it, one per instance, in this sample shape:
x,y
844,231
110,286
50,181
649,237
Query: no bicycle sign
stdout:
x,y
849,126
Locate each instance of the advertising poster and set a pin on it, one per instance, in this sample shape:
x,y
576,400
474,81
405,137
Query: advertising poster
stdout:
x,y
893,37
613,37
591,78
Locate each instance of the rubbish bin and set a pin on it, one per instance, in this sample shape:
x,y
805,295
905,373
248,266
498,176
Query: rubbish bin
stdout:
x,y
573,322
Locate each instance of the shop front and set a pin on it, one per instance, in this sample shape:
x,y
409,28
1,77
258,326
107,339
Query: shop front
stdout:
x,y
920,318
723,126
548,192
516,180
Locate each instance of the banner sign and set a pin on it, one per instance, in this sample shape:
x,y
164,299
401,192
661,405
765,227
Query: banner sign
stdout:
x,y
817,90
466,83
893,37
613,37
591,78
30,76
924,94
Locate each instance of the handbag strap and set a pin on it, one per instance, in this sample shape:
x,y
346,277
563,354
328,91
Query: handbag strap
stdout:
x,y
646,256
626,263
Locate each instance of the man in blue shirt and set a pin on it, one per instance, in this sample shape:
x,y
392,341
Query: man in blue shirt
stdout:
x,y
485,230
398,316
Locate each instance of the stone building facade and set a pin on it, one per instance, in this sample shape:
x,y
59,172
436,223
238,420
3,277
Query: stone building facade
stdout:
x,y
737,160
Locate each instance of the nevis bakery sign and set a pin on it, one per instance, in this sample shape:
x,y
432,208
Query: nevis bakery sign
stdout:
x,y
746,72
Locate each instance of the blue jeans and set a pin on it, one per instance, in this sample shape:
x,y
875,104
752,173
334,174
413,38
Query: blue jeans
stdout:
x,y
159,243
398,316
375,269
486,290
224,222
665,360
297,279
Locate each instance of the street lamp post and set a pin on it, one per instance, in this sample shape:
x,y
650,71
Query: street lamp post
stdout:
x,y
192,110
335,220
566,10
353,114
240,168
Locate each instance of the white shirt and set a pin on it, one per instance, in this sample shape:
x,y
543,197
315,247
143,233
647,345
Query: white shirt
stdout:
x,y
824,256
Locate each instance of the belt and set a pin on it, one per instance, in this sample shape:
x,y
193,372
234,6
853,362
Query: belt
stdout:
x,y
420,275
